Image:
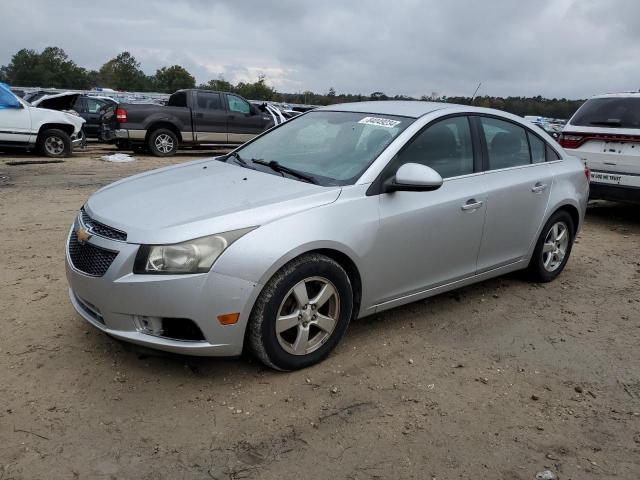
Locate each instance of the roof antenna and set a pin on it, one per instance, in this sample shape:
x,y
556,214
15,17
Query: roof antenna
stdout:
x,y
474,93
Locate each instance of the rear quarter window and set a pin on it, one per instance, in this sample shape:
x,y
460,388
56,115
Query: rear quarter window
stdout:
x,y
614,112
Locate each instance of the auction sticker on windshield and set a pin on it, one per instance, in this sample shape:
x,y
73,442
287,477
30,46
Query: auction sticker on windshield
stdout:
x,y
379,121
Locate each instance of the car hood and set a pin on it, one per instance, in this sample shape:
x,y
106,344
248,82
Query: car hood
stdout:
x,y
204,197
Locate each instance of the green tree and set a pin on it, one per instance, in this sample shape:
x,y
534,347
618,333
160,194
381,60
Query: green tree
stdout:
x,y
220,85
170,79
123,73
51,68
258,90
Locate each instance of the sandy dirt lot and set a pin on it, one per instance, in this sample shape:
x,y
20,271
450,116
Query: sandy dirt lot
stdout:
x,y
500,380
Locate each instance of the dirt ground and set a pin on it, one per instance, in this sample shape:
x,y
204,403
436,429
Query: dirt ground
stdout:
x,y
500,380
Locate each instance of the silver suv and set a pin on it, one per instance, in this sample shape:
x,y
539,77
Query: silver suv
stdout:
x,y
605,134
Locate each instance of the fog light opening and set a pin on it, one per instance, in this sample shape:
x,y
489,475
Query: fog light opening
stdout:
x,y
149,325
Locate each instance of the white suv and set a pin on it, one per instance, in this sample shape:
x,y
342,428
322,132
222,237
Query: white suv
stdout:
x,y
605,133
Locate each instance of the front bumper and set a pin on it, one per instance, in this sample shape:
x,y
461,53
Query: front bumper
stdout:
x,y
112,302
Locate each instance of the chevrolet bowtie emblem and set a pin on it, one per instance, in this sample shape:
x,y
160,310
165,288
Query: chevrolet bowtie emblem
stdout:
x,y
83,235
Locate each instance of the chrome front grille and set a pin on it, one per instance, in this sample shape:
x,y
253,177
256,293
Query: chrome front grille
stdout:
x,y
89,259
101,229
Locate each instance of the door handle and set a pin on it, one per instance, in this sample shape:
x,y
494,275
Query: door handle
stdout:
x,y
472,204
539,187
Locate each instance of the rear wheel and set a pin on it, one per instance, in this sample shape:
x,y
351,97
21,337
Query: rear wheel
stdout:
x,y
301,314
162,142
54,143
553,248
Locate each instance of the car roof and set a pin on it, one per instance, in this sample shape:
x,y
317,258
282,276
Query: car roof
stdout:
x,y
618,95
404,108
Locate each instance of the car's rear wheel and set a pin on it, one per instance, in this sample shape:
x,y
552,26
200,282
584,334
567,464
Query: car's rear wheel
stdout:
x,y
54,143
162,142
553,248
302,313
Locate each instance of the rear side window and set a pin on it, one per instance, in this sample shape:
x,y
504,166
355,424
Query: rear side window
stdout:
x,y
506,142
615,112
209,101
538,147
444,146
178,99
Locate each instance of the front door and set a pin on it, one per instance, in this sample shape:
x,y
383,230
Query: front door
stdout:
x,y
427,239
518,182
244,122
210,118
15,124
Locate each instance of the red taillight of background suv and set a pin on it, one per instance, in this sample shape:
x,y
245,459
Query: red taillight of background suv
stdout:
x,y
121,115
566,140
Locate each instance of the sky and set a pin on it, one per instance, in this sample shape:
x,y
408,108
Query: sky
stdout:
x,y
553,48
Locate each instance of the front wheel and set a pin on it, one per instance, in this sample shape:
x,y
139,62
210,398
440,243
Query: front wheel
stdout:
x,y
302,313
162,143
553,248
54,143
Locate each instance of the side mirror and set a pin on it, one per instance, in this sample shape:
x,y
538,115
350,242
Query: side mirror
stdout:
x,y
413,177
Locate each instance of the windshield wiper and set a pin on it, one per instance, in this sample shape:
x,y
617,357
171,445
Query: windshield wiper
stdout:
x,y
277,167
611,122
239,160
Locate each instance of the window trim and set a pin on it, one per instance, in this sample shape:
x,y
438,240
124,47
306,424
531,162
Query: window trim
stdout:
x,y
376,187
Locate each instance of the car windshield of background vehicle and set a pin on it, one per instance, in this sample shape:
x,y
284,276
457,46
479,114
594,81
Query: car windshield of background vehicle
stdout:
x,y
614,112
335,148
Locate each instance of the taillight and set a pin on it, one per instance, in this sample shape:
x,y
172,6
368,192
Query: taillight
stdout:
x,y
121,115
570,141
587,173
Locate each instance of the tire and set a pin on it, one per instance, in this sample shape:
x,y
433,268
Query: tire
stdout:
x,y
162,142
54,143
283,351
546,264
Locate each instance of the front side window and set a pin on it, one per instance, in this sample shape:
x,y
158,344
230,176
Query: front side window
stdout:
x,y
334,147
506,142
444,146
236,104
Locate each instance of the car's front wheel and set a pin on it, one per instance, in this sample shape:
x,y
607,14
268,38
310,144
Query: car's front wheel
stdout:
x,y
553,248
54,143
302,313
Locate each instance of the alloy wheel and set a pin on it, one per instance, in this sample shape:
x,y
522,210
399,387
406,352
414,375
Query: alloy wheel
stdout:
x,y
555,246
307,316
164,143
54,145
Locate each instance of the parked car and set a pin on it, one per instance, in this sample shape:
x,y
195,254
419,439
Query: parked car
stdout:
x,y
338,213
22,125
90,108
605,134
192,118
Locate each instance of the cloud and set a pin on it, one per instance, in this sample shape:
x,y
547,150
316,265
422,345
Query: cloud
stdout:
x,y
555,48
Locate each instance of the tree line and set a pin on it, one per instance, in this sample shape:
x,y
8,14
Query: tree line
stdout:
x,y
52,68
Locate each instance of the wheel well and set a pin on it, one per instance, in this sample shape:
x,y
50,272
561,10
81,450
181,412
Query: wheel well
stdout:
x,y
351,269
66,128
167,125
575,215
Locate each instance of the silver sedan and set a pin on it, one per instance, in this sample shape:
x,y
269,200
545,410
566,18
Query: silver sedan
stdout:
x,y
339,213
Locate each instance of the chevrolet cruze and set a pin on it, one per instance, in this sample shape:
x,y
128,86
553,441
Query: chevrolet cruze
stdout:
x,y
339,213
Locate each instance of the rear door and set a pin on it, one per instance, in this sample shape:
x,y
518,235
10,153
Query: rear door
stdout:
x,y
518,180
210,118
244,122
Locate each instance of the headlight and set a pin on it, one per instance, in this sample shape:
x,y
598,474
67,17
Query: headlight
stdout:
x,y
193,256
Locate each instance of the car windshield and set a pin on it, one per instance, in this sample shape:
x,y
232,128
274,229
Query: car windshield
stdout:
x,y
334,148
616,112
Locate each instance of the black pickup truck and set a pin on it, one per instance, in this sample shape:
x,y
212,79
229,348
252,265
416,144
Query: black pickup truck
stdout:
x,y
191,118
